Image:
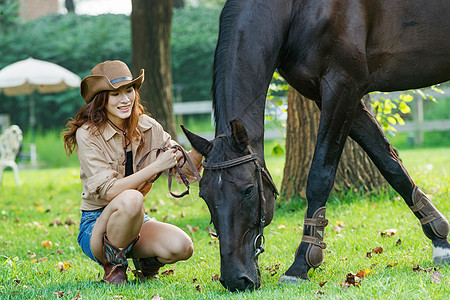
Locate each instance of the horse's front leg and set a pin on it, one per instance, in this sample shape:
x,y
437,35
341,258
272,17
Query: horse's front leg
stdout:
x,y
335,123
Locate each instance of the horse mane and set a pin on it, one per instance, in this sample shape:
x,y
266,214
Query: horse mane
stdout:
x,y
227,23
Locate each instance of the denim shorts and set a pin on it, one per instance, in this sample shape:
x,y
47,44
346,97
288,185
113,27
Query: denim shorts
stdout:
x,y
88,219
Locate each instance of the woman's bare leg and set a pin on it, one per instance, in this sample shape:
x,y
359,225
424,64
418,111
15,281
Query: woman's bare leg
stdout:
x,y
121,220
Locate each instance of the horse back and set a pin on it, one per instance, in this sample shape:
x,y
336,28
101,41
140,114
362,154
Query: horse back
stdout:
x,y
392,45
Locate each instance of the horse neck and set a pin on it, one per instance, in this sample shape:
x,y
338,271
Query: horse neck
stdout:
x,y
244,62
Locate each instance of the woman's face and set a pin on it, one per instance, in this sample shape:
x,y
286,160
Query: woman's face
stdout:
x,y
120,103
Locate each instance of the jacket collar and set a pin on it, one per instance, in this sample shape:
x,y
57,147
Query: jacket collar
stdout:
x,y
109,131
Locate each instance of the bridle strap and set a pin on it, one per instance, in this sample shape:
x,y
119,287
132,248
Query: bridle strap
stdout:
x,y
176,169
230,163
261,171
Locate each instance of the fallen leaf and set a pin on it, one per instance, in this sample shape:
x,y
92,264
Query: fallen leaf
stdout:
x,y
391,265
60,294
360,274
168,272
319,292
215,277
78,296
389,232
213,235
55,223
281,227
157,297
377,250
47,244
194,280
194,229
417,268
197,287
399,242
340,224
182,214
69,222
273,269
322,283
63,266
118,296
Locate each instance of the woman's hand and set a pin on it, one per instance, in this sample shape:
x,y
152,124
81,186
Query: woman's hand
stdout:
x,y
166,160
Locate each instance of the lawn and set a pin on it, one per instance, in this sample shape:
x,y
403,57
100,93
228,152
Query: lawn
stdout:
x,y
40,258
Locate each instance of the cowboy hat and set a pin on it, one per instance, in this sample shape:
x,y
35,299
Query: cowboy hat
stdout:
x,y
108,76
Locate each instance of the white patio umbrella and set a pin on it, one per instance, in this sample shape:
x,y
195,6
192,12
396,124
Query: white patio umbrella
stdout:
x,y
28,76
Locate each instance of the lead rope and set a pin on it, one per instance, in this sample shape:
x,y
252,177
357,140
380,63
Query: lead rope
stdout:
x,y
177,169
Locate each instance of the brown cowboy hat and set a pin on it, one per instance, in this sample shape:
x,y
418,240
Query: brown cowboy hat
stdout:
x,y
108,76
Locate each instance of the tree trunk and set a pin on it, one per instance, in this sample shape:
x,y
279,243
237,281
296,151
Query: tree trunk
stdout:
x,y
355,170
70,6
178,3
150,24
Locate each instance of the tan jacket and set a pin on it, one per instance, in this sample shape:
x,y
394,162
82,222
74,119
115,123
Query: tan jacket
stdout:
x,y
101,156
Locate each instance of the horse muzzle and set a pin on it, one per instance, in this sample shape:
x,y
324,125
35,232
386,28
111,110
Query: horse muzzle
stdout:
x,y
239,281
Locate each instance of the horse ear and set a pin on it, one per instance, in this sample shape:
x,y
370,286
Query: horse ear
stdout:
x,y
200,144
239,134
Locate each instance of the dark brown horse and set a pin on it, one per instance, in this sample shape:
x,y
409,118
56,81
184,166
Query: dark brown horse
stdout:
x,y
333,52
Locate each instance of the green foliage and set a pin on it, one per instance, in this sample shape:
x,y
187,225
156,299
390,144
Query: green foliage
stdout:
x,y
78,42
31,214
9,15
390,111
193,42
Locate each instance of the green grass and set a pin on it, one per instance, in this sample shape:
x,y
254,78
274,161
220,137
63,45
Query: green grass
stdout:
x,y
28,270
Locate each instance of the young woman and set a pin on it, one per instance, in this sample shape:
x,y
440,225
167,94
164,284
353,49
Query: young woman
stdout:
x,y
112,136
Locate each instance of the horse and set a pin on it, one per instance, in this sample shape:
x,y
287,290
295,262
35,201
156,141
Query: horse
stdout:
x,y
332,52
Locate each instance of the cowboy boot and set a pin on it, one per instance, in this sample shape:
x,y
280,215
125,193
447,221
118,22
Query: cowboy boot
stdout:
x,y
115,262
314,253
148,266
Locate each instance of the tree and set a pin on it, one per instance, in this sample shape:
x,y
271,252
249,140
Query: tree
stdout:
x,y
355,169
9,14
150,31
70,6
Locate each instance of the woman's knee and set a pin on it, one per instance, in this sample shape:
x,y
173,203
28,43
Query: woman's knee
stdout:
x,y
130,202
182,249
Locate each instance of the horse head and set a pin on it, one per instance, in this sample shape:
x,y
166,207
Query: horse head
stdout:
x,y
240,195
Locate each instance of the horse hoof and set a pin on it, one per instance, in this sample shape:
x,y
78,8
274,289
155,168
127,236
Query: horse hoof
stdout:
x,y
441,255
290,279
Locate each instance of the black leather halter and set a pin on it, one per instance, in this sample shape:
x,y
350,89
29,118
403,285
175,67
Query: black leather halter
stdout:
x,y
252,157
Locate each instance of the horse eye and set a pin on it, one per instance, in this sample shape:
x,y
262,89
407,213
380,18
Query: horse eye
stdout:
x,y
249,191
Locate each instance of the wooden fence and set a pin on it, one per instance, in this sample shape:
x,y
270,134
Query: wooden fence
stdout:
x,y
417,127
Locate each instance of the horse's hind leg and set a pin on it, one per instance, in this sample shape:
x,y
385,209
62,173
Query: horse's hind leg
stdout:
x,y
366,132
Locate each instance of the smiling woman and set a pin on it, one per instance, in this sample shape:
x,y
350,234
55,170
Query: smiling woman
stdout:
x,y
114,139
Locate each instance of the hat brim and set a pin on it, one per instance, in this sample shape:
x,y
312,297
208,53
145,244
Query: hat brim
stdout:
x,y
94,84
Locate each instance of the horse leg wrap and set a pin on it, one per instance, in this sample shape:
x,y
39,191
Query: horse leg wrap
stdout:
x,y
429,214
314,253
115,262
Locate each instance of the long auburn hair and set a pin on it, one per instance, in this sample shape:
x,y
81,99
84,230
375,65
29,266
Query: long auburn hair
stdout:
x,y
94,115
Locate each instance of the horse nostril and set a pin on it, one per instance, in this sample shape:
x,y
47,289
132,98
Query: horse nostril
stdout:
x,y
246,282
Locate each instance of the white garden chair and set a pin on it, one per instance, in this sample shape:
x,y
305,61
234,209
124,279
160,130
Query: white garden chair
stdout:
x,y
10,142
